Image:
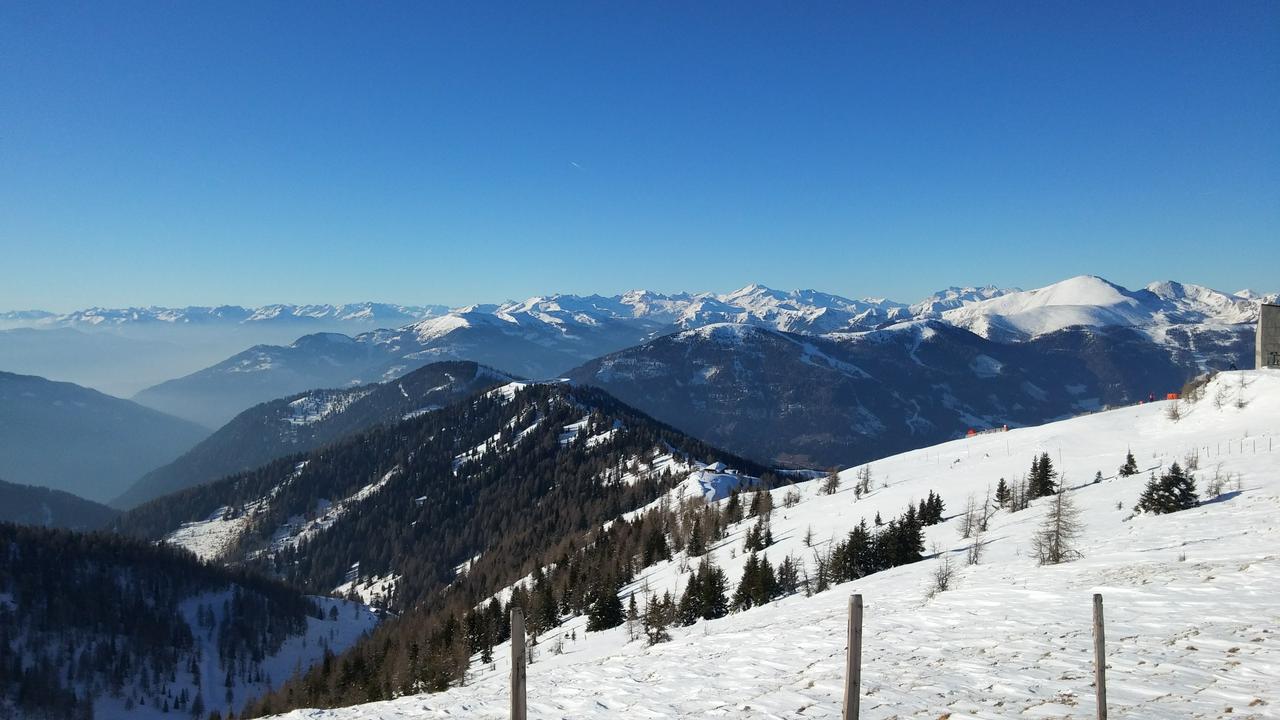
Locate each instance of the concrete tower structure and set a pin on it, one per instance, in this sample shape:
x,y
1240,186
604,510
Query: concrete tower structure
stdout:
x,y
1268,352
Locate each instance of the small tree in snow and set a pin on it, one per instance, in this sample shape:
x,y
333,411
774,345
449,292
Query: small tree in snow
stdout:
x,y
968,519
1055,542
633,618
974,555
1130,466
830,483
864,479
655,621
943,576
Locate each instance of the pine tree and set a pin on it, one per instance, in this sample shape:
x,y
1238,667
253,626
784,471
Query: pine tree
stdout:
x,y
1130,466
633,617
655,622
733,508
852,559
909,540
931,509
697,544
704,596
759,537
1042,474
743,596
655,547
606,611
761,502
714,592
758,586
1002,493
1173,491
788,577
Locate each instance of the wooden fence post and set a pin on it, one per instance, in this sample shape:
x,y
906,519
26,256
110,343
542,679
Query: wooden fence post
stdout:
x,y
853,660
518,709
1099,657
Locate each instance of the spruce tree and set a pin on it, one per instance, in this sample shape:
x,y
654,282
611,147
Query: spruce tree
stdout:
x,y
788,577
606,611
744,596
633,617
1173,491
1002,493
714,590
1042,474
1130,466
697,543
655,621
733,508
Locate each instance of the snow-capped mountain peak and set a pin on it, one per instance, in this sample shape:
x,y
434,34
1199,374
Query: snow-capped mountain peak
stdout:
x,y
1092,301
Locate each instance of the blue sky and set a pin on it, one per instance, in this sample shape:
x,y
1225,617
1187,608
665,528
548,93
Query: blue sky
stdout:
x,y
200,153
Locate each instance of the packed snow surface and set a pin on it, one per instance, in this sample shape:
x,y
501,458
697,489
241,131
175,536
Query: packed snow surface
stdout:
x,y
1192,615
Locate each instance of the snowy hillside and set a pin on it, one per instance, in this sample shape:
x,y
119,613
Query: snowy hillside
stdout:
x,y
1191,611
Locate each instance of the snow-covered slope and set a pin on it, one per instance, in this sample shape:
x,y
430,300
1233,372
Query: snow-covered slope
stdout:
x,y
1192,616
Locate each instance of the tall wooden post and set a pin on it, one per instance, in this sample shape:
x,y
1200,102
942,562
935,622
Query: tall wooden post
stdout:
x,y
1099,657
518,710
853,660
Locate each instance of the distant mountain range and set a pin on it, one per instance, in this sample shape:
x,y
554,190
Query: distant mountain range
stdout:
x,y
122,351
366,313
308,420
71,438
548,336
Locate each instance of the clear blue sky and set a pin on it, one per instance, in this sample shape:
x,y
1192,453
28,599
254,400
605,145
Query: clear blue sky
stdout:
x,y
196,153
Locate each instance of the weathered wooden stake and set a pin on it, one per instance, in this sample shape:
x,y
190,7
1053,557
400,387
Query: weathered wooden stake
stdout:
x,y
853,660
1099,657
517,665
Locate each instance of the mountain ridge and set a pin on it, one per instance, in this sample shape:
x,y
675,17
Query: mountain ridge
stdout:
x,y
67,437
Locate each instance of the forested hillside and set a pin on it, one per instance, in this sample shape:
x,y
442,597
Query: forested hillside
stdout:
x,y
466,500
99,625
31,505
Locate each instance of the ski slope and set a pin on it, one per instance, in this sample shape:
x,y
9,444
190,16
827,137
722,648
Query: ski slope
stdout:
x,y
1192,598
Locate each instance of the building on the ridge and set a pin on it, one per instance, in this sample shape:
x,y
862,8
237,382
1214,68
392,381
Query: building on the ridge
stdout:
x,y
1268,352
